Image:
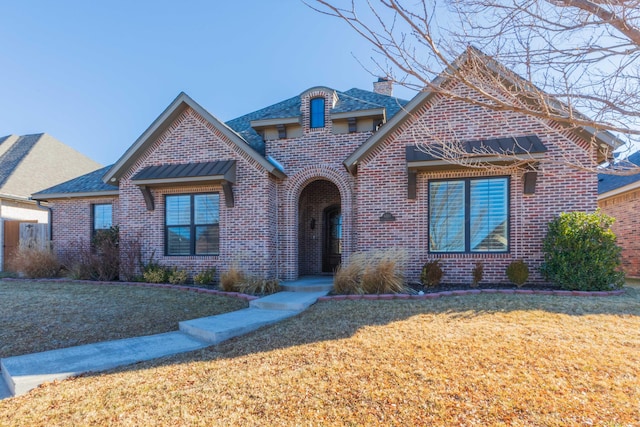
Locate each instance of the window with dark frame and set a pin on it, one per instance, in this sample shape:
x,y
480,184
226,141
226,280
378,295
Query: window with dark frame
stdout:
x,y
469,215
102,217
316,106
192,224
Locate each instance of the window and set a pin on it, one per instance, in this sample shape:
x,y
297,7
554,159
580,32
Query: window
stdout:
x,y
469,215
317,113
102,217
192,224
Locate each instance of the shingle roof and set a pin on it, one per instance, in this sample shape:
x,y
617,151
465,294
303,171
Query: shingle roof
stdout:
x,y
88,183
351,100
15,154
607,182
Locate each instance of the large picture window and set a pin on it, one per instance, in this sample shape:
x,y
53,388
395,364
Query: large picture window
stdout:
x,y
317,113
102,217
192,224
469,215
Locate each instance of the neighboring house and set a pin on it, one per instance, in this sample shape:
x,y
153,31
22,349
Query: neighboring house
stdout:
x,y
295,188
28,164
619,197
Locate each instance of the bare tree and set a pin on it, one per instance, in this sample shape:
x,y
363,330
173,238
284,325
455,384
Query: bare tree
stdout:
x,y
576,62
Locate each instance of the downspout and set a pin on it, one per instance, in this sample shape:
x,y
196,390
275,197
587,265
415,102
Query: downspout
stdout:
x,y
277,233
50,218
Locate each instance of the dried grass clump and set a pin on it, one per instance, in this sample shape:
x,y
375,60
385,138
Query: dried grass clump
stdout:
x,y
258,286
373,272
231,279
36,263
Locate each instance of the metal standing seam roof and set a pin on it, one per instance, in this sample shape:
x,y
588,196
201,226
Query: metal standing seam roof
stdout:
x,y
186,170
529,144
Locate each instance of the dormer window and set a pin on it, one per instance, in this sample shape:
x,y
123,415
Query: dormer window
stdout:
x,y
316,107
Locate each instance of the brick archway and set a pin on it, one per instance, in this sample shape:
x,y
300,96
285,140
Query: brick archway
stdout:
x,y
294,188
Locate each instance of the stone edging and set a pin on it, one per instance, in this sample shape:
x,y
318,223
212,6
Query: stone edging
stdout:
x,y
435,295
238,295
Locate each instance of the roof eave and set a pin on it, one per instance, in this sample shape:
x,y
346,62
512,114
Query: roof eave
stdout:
x,y
80,195
620,190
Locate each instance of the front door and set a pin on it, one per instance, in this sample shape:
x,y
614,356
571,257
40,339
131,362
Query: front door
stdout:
x,y
332,245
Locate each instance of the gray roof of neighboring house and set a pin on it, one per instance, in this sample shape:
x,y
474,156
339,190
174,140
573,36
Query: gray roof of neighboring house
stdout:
x,y
15,154
349,101
30,163
607,182
88,183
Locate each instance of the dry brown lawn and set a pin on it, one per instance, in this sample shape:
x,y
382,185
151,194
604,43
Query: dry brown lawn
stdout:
x,y
482,360
37,316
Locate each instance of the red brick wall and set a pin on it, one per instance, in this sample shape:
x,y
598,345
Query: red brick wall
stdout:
x,y
624,208
71,221
382,187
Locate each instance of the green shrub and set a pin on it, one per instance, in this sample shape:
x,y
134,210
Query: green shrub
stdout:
x,y
206,277
580,252
155,273
431,274
476,274
35,263
178,277
518,272
372,272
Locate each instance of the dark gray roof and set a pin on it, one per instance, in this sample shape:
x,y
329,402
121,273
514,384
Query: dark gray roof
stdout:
x,y
529,144
88,183
15,154
351,100
607,182
187,170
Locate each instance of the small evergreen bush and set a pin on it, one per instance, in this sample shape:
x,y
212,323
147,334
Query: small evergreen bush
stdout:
x,y
178,277
518,272
155,273
431,274
477,273
206,277
580,252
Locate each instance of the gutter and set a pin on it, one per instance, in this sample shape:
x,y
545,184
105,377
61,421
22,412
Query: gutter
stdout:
x,y
50,219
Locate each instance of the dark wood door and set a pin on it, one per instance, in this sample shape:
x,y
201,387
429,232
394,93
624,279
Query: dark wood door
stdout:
x,y
332,245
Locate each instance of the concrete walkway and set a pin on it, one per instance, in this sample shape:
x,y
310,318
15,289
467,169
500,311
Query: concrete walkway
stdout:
x,y
23,373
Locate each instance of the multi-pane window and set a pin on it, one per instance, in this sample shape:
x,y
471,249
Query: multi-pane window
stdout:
x,y
192,224
102,217
316,106
469,215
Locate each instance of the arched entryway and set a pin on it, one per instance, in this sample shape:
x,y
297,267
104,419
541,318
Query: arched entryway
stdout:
x,y
319,228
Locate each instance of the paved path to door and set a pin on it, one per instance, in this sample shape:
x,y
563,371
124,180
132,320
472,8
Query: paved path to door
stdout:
x,y
23,373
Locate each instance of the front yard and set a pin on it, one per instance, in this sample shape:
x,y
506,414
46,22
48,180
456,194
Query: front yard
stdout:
x,y
45,315
467,361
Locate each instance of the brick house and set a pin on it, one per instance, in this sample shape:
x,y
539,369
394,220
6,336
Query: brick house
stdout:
x,y
294,188
619,197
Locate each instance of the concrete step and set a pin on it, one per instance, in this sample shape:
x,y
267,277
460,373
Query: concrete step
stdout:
x,y
215,329
291,301
23,373
314,284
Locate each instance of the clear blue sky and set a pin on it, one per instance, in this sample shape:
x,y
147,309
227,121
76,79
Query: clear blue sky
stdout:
x,y
96,74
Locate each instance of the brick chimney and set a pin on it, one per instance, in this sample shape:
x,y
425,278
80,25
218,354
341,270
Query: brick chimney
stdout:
x,y
383,86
